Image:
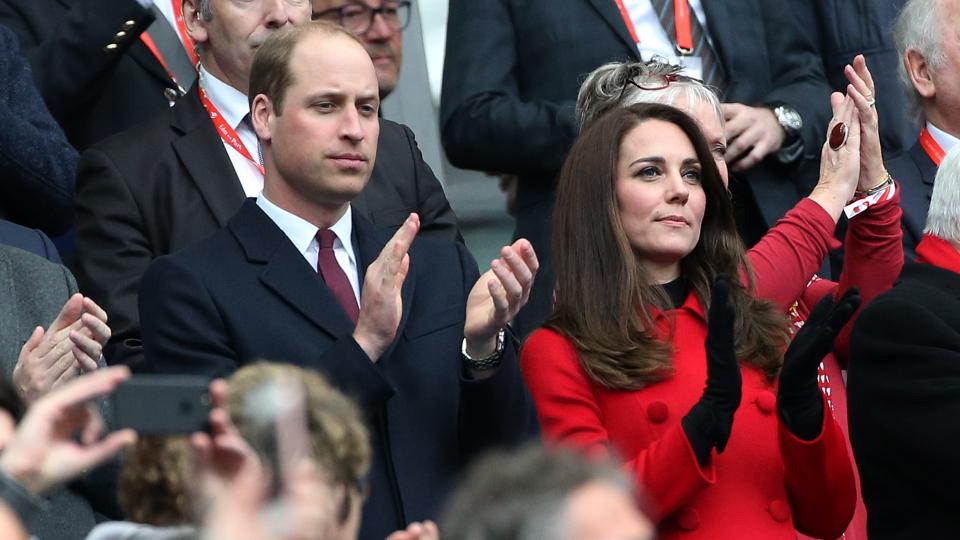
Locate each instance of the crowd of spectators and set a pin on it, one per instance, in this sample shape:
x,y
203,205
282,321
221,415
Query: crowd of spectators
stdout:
x,y
725,211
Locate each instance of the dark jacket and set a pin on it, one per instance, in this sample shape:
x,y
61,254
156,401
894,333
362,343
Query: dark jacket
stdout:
x,y
916,172
903,398
37,164
842,29
426,420
93,71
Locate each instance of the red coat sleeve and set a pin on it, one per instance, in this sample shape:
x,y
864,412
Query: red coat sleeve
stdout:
x,y
872,259
569,413
791,252
819,480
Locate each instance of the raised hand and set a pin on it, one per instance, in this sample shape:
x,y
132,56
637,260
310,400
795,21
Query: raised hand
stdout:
x,y
380,303
861,91
799,401
498,295
840,168
46,450
710,421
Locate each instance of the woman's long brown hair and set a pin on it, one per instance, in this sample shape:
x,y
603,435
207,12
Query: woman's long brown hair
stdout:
x,y
604,296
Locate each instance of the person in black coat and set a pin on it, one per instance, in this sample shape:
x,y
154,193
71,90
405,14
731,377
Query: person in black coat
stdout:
x,y
513,68
94,72
37,164
403,326
904,384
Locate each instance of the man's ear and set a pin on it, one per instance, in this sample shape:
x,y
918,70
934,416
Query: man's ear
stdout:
x,y
918,69
196,26
262,115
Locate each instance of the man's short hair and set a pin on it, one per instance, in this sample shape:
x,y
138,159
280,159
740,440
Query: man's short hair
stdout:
x,y
340,442
943,217
523,495
919,26
270,74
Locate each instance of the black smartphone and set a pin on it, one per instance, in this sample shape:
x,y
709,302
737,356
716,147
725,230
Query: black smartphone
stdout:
x,y
162,404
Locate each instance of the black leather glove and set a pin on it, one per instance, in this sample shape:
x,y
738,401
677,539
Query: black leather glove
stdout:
x,y
799,402
710,420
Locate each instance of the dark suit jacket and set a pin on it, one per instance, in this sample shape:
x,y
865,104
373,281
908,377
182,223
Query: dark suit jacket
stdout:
x,y
513,68
841,29
37,164
168,183
916,172
31,240
425,418
92,90
903,398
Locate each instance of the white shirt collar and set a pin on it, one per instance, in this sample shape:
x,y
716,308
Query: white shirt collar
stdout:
x,y
231,103
303,234
944,139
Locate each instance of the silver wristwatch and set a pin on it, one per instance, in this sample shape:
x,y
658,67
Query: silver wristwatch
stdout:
x,y
790,120
490,361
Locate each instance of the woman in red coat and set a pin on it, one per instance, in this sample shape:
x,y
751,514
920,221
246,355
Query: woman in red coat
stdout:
x,y
786,259
643,226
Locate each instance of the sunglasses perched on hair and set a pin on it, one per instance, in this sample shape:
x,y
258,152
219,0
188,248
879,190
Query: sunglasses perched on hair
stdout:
x,y
652,82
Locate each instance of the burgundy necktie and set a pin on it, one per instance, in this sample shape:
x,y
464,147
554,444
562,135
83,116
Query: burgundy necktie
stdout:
x,y
335,277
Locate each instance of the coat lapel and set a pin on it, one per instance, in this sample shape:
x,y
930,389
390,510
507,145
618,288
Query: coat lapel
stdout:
x,y
285,272
206,160
611,15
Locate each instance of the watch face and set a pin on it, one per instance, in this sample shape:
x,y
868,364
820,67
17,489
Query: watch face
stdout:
x,y
788,118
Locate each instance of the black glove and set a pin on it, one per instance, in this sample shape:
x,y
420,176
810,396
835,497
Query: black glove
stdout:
x,y
799,402
710,420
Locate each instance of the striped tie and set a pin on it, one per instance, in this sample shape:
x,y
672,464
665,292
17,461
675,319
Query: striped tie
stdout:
x,y
713,73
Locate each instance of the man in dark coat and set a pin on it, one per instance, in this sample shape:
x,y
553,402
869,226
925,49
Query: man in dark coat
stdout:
x,y
421,344
903,388
173,181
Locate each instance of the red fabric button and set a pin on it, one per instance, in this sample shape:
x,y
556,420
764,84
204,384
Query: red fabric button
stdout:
x,y
688,519
658,412
766,402
779,511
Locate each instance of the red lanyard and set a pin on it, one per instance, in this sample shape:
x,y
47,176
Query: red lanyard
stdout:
x,y
681,23
227,133
931,146
184,38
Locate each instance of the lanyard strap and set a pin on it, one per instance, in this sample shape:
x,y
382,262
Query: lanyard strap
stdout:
x,y
681,21
681,24
931,146
185,39
227,133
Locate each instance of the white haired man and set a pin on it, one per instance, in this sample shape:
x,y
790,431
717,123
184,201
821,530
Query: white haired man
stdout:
x,y
926,37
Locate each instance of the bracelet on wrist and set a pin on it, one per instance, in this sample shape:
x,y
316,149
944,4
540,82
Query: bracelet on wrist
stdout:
x,y
887,180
